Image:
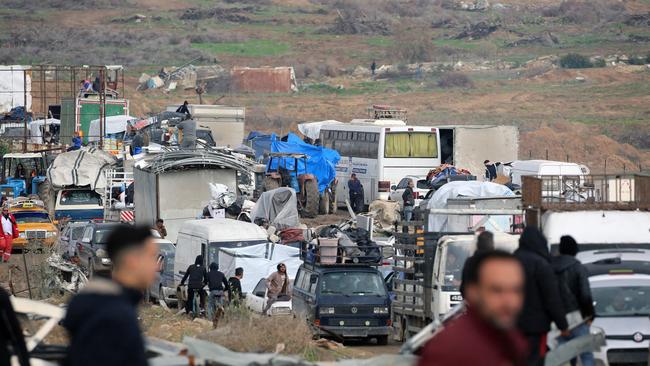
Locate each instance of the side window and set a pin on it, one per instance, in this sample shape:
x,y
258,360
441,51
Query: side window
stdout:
x,y
88,235
403,183
312,286
260,289
76,232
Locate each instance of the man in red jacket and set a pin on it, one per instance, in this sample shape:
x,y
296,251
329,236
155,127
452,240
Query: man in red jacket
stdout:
x,y
486,334
9,231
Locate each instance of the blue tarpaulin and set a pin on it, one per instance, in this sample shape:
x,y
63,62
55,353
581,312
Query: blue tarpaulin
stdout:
x,y
321,161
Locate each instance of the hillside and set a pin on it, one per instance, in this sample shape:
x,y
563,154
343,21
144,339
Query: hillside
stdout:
x,y
506,55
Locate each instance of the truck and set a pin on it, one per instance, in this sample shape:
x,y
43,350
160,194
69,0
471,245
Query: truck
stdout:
x,y
226,123
22,174
78,112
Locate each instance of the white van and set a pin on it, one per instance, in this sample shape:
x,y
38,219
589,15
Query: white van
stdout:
x,y
566,173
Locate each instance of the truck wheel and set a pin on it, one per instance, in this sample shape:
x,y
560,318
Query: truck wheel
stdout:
x,y
324,208
312,198
382,340
270,184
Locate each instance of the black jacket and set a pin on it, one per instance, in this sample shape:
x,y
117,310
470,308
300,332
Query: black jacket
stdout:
x,y
235,288
575,275
217,280
196,274
11,334
103,326
542,302
407,196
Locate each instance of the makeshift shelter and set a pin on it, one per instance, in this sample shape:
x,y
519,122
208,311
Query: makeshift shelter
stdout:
x,y
279,207
258,261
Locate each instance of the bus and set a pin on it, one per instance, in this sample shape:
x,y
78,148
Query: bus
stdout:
x,y
381,153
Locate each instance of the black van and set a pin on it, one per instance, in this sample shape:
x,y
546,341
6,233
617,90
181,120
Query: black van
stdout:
x,y
345,301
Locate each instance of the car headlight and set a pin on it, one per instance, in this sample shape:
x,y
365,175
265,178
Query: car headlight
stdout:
x,y
324,311
381,310
106,261
50,234
22,235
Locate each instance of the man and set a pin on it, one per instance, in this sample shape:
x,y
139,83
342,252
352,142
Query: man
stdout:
x,y
542,302
331,191
278,286
217,285
101,320
183,108
484,243
76,142
490,170
12,342
188,128
10,232
373,67
236,294
408,200
495,296
160,228
355,189
197,278
575,292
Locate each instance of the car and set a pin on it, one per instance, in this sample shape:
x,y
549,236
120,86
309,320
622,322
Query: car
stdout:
x,y
70,234
396,191
256,300
91,248
622,307
34,223
163,288
621,261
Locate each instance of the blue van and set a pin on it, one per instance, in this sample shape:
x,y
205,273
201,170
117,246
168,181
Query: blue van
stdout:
x,y
345,301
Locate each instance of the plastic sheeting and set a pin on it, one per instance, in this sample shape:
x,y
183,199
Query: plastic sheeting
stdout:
x,y
279,207
114,124
258,261
35,133
81,167
312,129
437,222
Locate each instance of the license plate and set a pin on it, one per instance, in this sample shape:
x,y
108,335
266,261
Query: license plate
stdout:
x,y
456,298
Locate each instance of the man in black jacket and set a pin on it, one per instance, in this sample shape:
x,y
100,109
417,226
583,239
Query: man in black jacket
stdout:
x,y
197,278
102,319
542,303
573,277
217,284
236,295
12,342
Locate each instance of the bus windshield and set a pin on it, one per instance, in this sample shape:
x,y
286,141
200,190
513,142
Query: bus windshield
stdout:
x,y
411,145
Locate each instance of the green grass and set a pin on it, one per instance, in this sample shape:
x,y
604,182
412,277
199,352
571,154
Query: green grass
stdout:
x,y
457,43
252,48
380,41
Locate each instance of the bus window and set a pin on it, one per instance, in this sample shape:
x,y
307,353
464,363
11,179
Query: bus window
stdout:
x,y
397,145
410,145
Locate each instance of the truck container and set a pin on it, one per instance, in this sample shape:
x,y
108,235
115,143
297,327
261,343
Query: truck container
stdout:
x,y
76,114
226,123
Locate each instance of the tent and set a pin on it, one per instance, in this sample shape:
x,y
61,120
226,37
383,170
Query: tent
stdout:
x,y
114,125
279,207
36,131
258,261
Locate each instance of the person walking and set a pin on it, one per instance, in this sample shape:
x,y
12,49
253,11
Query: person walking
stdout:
x,y
160,228
236,294
495,296
576,293
355,189
102,319
278,287
408,201
542,301
217,285
10,232
196,277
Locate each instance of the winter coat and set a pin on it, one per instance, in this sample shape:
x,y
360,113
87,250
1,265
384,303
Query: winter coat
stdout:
x,y
542,302
407,197
569,269
235,288
217,280
196,274
488,345
355,186
103,326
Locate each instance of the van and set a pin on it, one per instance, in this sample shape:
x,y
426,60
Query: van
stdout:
x,y
343,300
567,174
78,204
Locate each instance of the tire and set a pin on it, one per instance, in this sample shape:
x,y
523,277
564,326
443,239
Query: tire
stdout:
x,y
312,198
270,184
324,207
382,340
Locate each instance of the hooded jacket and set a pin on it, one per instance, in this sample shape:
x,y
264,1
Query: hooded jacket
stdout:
x,y
542,302
196,274
103,326
575,275
216,279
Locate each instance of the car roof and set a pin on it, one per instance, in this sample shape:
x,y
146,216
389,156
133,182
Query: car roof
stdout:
x,y
619,280
623,254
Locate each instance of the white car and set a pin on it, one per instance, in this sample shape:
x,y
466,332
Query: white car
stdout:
x,y
614,256
256,300
622,306
396,191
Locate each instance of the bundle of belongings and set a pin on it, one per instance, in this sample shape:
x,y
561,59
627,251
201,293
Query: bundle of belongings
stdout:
x,y
446,173
334,245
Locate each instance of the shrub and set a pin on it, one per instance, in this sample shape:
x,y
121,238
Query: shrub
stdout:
x,y
575,61
455,80
637,60
599,62
412,47
647,58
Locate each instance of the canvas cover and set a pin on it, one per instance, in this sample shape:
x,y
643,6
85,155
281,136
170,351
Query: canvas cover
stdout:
x,y
83,167
439,199
114,124
312,129
35,133
258,261
279,207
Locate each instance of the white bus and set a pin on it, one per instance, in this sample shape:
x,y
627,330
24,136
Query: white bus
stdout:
x,y
381,153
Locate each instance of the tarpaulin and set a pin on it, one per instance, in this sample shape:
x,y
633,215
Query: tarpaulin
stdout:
x,y
260,143
81,167
321,161
312,129
279,207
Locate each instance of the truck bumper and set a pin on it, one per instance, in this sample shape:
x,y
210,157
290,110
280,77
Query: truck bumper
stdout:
x,y
355,332
21,243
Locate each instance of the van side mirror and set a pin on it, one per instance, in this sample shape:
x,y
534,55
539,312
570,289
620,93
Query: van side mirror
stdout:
x,y
393,187
313,278
423,184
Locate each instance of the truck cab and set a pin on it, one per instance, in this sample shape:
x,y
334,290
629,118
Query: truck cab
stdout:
x,y
22,173
78,204
343,300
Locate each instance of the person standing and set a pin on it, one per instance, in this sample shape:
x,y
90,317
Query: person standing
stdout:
x,y
278,287
76,142
188,128
355,189
160,228
576,297
10,231
495,296
102,319
542,302
373,67
408,201
217,285
236,294
490,170
196,277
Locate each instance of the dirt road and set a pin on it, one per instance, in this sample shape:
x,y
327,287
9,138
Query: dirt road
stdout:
x,y
366,350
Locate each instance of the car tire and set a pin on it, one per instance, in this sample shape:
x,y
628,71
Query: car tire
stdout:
x,y
382,340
